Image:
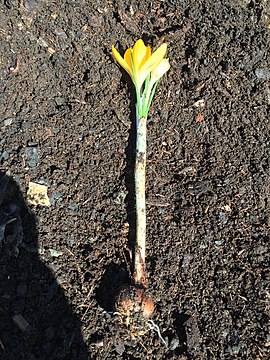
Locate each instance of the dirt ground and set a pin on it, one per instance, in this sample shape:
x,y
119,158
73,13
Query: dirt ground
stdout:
x,y
67,121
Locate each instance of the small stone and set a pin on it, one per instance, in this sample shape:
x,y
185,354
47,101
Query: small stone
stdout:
x,y
119,197
73,207
5,155
219,242
55,253
174,344
8,121
32,156
262,74
37,194
59,100
55,197
200,103
222,218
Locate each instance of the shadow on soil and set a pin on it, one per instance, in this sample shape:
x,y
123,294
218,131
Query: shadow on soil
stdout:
x,y
36,320
130,153
117,276
113,280
179,324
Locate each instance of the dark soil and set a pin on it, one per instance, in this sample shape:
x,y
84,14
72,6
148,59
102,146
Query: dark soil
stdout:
x,y
67,121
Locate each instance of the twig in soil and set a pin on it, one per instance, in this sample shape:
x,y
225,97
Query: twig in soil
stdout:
x,y
154,203
86,301
145,70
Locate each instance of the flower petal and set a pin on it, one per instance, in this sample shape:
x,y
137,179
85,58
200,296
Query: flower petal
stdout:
x,y
127,57
160,70
138,54
152,61
147,56
122,61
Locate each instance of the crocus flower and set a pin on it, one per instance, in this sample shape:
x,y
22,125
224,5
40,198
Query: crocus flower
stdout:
x,y
140,64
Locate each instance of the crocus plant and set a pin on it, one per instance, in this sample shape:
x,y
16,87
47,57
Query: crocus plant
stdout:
x,y
145,69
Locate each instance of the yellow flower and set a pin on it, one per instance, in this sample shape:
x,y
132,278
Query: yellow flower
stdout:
x,y
145,69
139,62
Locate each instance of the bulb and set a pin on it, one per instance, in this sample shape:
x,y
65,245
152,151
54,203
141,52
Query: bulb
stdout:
x,y
132,301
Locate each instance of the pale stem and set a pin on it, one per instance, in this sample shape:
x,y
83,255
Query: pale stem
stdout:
x,y
148,94
139,262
